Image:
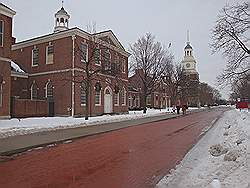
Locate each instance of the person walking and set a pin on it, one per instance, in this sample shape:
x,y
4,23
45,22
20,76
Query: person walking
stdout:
x,y
184,108
178,106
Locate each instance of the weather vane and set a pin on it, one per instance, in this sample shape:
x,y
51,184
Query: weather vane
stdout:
x,y
62,3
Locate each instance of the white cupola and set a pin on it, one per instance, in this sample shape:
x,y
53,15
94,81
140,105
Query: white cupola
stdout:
x,y
189,63
61,20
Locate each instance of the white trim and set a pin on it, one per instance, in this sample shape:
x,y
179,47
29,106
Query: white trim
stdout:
x,y
64,34
124,102
47,47
100,98
87,52
19,75
7,11
32,55
5,59
2,33
118,99
50,72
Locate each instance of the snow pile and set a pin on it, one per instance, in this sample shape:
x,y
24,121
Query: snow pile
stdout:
x,y
221,157
15,126
16,67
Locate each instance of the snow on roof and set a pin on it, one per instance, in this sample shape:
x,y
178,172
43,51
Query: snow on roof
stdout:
x,y
16,67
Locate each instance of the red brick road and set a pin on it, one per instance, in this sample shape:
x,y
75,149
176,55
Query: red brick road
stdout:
x,y
135,157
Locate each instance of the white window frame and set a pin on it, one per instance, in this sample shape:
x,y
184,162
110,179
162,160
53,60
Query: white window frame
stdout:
x,y
123,65
82,104
100,62
32,54
31,92
148,97
47,50
2,33
100,99
124,101
118,101
1,94
87,52
46,89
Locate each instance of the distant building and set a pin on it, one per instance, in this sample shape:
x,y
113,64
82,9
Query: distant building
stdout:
x,y
44,67
157,99
189,65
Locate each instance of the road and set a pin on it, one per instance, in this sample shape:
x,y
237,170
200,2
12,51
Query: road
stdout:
x,y
134,157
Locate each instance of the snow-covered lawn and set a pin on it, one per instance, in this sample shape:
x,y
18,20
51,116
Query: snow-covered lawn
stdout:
x,y
221,157
14,126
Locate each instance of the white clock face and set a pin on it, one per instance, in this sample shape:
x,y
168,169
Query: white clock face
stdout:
x,y
188,65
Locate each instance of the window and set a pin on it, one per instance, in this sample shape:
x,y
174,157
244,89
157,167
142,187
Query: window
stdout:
x,y
49,90
83,94
130,101
116,99
97,56
107,60
149,100
50,54
123,96
123,64
97,98
1,32
156,100
33,91
1,94
35,57
84,52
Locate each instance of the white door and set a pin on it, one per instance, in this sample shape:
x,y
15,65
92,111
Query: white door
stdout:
x,y
107,101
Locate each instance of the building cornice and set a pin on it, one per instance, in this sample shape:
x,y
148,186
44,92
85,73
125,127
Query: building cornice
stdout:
x,y
63,34
19,74
5,59
6,11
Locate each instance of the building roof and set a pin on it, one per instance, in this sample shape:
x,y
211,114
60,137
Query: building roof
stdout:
x,y
62,11
6,10
188,46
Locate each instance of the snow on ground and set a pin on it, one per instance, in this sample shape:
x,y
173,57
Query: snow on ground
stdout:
x,y
222,157
23,126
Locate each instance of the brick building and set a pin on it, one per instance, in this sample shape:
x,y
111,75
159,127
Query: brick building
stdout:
x,y
156,99
50,71
6,40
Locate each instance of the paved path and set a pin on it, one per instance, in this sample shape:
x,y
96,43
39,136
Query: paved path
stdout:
x,y
135,157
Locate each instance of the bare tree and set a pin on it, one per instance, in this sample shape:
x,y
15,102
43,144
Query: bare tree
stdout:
x,y
150,58
90,53
177,82
231,36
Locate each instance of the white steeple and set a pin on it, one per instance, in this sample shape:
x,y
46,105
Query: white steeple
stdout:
x,y
189,63
61,20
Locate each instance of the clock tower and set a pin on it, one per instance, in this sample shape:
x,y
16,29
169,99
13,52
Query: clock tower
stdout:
x,y
188,64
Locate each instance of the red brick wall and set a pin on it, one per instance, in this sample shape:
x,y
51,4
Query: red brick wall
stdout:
x,y
6,85
5,50
29,108
19,87
62,56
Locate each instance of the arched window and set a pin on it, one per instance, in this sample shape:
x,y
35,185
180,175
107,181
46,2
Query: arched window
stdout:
x,y
62,20
83,94
123,96
33,90
49,90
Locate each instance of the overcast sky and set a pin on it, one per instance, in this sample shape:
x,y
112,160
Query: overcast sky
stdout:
x,y
168,20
